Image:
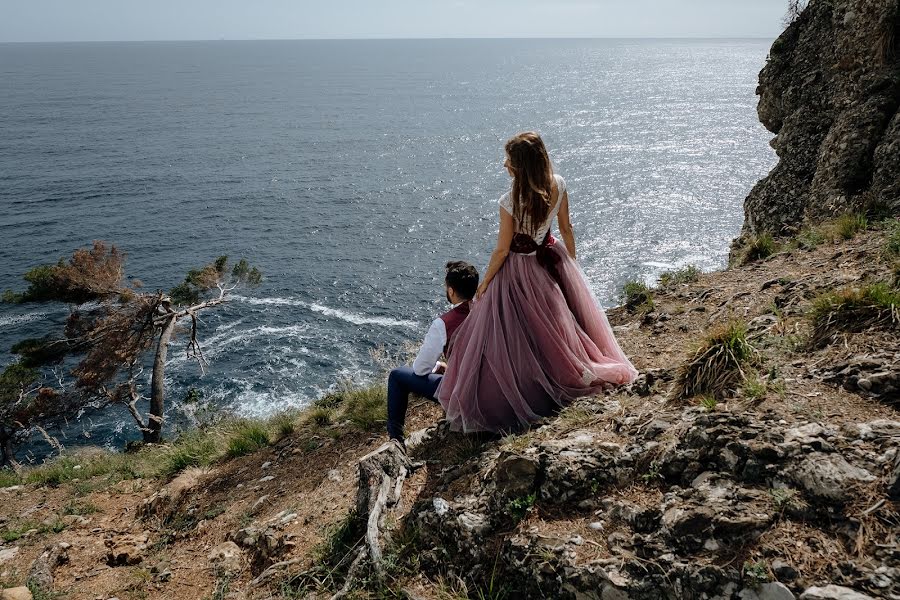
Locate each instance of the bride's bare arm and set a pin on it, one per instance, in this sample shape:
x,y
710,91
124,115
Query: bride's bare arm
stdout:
x,y
565,225
504,239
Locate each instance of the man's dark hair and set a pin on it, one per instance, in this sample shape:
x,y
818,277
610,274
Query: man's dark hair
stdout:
x,y
463,278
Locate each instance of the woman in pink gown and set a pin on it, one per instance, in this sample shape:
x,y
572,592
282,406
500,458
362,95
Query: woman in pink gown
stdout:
x,y
536,338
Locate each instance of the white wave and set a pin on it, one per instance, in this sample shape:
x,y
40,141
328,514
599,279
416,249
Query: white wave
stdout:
x,y
19,319
328,311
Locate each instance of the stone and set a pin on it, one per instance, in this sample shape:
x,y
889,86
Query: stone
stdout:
x,y
127,550
258,505
335,475
266,478
226,558
828,476
515,475
166,501
893,481
41,573
7,554
833,592
767,591
16,593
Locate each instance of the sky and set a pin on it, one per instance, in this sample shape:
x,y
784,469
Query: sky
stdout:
x,y
128,20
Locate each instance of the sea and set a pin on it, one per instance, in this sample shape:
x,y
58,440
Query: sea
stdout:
x,y
349,172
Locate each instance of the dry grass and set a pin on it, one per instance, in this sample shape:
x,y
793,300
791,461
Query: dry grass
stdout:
x,y
716,367
854,310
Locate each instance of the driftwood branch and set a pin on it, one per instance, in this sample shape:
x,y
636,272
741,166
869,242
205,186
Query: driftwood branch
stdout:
x,y
381,477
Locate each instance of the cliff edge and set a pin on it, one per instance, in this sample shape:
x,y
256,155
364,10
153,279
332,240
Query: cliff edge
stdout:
x,y
830,93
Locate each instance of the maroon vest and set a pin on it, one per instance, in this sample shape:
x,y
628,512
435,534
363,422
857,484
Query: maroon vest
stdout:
x,y
452,320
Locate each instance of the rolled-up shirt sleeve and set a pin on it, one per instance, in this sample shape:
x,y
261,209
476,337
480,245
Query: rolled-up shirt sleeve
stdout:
x,y
431,349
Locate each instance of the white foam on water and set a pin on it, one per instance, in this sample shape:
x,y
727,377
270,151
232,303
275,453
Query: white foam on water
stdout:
x,y
328,311
19,319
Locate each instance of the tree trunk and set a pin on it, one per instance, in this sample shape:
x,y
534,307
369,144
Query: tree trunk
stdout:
x,y
157,386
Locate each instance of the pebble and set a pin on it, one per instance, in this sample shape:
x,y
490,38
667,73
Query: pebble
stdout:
x,y
266,478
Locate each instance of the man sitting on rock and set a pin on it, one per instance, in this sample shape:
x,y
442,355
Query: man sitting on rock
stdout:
x,y
427,370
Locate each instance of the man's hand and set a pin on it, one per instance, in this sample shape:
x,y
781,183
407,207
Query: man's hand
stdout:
x,y
440,368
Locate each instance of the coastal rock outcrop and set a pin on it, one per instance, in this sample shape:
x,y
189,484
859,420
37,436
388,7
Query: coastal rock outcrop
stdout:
x,y
830,93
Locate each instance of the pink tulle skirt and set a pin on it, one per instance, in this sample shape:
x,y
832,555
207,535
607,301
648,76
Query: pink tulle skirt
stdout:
x,y
530,346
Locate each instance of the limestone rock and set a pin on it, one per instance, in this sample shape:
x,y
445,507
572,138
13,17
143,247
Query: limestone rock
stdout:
x,y
16,593
127,550
8,554
830,93
226,558
41,572
767,591
833,592
893,482
168,500
828,476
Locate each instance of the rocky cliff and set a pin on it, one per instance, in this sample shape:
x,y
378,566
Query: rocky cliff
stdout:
x,y
830,93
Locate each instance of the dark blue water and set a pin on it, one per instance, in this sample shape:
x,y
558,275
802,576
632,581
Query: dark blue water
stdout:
x,y
350,172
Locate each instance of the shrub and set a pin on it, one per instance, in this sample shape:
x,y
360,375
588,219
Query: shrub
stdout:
x,y
847,226
717,363
688,274
757,248
638,297
854,310
247,437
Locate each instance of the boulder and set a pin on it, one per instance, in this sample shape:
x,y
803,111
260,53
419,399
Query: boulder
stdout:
x,y
41,573
16,593
828,477
833,592
226,558
127,550
767,591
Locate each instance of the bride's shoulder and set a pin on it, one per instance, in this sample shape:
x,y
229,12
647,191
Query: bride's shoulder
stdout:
x,y
506,202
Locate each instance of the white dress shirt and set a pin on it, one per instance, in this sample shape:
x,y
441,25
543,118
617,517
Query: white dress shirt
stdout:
x,y
432,348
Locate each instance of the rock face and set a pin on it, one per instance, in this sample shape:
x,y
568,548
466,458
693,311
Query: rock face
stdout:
x,y
830,92
716,484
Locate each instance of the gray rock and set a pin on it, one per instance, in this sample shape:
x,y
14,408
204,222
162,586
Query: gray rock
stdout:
x,y
41,573
226,558
8,554
828,476
16,593
893,481
767,591
833,592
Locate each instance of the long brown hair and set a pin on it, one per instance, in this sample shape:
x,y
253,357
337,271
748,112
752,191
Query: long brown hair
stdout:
x,y
532,186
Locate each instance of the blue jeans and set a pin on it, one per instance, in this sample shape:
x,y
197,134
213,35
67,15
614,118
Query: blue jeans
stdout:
x,y
401,382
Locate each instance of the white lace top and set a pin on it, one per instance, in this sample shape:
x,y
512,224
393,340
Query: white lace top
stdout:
x,y
506,203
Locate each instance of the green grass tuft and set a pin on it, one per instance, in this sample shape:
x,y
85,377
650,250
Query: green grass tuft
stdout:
x,y
688,274
192,449
9,478
757,248
810,237
365,407
716,366
847,226
638,297
754,388
892,244
246,438
854,310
